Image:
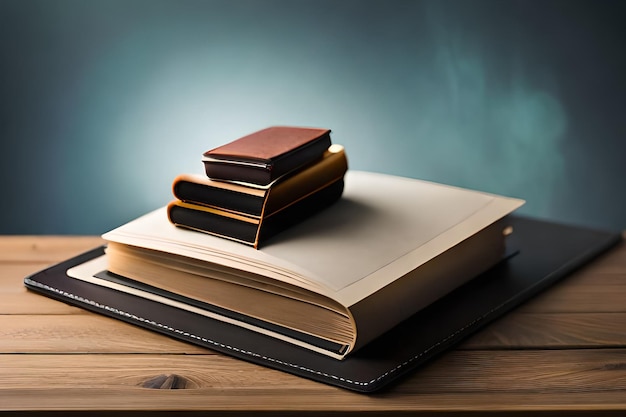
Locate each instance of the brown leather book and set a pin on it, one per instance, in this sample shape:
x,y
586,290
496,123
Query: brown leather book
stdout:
x,y
252,230
262,199
265,155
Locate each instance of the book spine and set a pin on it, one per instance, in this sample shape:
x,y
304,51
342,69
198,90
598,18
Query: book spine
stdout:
x,y
291,188
249,230
208,195
211,221
219,170
261,174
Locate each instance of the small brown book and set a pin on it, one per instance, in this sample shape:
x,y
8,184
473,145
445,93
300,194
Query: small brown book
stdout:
x,y
265,155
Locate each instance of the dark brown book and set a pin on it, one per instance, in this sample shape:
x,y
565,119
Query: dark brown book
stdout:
x,y
253,230
259,200
265,155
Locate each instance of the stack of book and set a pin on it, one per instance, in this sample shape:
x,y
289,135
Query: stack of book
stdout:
x,y
388,248
261,184
383,247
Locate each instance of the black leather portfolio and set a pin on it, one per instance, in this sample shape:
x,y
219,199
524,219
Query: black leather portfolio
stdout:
x,y
546,252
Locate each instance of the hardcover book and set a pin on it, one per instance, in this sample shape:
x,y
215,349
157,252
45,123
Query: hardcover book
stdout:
x,y
253,230
267,154
258,200
388,248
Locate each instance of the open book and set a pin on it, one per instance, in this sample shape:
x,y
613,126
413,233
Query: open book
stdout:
x,y
387,249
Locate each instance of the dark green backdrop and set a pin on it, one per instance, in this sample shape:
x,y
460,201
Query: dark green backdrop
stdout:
x,y
103,102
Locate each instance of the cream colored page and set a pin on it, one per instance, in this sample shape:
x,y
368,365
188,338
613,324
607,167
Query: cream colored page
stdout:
x,y
383,227
154,231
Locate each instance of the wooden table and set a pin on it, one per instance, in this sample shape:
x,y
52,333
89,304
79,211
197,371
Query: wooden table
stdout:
x,y
563,352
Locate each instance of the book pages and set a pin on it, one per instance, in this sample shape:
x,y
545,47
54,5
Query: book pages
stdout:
x,y
383,227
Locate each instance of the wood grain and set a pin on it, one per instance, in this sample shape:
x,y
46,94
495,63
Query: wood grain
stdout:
x,y
16,299
85,333
45,249
482,380
607,295
519,330
562,353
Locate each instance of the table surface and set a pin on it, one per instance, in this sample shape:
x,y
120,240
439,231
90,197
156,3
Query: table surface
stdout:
x,y
563,352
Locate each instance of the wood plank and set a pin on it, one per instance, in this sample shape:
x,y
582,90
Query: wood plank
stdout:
x,y
573,298
90,333
551,331
91,367
565,371
462,380
15,298
164,403
45,249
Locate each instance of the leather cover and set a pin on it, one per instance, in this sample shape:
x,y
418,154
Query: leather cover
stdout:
x,y
253,231
263,200
547,253
264,156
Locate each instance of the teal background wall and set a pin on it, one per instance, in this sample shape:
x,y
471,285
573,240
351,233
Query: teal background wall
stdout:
x,y
103,103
